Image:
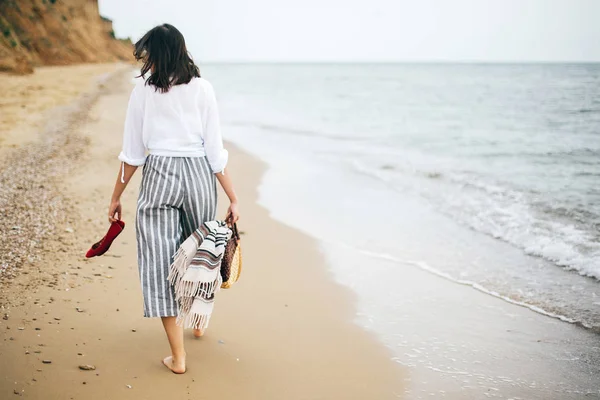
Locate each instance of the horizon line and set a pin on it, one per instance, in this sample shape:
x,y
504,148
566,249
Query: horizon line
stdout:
x,y
508,62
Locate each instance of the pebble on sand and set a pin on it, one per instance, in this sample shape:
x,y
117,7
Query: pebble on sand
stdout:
x,y
47,361
129,387
87,367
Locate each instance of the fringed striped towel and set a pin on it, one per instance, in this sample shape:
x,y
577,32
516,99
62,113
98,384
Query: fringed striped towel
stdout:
x,y
195,273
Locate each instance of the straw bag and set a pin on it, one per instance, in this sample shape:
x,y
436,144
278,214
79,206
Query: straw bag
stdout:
x,y
231,264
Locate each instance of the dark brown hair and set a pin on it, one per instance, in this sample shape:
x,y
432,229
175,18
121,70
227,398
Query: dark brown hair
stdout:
x,y
165,56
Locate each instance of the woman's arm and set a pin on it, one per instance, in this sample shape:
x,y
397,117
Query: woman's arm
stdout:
x,y
133,153
233,213
126,171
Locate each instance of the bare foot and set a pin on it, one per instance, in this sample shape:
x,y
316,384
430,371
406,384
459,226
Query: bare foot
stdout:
x,y
177,367
198,333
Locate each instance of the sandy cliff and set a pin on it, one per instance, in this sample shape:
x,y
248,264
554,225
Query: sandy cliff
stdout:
x,y
56,32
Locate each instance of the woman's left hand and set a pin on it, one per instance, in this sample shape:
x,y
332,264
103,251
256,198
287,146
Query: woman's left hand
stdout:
x,y
114,210
233,214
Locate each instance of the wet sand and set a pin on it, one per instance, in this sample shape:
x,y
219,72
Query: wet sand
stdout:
x,y
285,331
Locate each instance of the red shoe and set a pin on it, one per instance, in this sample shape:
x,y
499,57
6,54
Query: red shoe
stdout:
x,y
103,245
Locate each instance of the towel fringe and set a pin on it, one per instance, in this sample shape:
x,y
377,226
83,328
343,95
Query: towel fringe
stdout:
x,y
193,321
184,288
195,285
178,267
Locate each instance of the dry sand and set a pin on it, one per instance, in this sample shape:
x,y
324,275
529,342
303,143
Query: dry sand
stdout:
x,y
285,331
32,205
27,102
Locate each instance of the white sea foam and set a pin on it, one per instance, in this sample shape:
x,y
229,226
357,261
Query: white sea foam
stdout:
x,y
426,267
504,214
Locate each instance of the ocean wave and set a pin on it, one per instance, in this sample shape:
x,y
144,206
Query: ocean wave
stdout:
x,y
428,268
586,173
550,156
566,236
586,111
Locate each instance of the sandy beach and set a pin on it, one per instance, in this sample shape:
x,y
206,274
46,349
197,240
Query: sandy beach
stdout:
x,y
285,331
290,329
418,193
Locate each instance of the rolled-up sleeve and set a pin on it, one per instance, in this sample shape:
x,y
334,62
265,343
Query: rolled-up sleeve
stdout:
x,y
134,151
213,141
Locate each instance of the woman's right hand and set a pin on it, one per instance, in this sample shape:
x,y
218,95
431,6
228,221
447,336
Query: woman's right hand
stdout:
x,y
233,214
114,209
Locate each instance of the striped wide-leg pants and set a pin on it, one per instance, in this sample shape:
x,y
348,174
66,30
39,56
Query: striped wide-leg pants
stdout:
x,y
177,195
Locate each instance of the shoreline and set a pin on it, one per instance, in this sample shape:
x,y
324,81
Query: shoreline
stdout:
x,y
455,341
286,329
494,294
284,215
515,234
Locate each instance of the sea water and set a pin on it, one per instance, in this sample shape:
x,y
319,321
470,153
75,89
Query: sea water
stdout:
x,y
485,175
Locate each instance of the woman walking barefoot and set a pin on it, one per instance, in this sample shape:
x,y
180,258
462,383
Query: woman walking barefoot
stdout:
x,y
172,116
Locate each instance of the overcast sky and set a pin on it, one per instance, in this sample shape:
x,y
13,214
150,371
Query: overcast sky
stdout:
x,y
374,30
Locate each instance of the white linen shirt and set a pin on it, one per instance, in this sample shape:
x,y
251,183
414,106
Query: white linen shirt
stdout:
x,y
184,122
